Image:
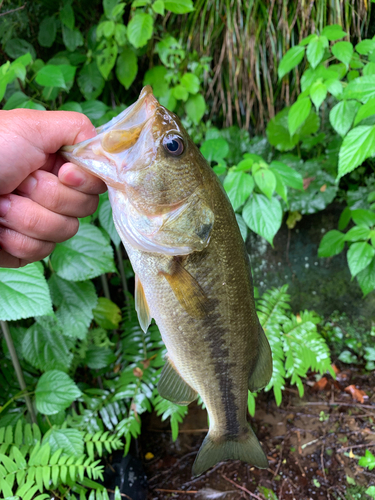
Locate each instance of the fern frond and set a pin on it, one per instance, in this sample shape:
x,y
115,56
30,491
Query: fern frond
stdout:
x,y
272,306
166,409
22,436
100,441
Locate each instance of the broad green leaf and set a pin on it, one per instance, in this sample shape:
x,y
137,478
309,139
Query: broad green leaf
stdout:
x,y
266,181
290,60
72,38
365,47
368,460
263,216
94,109
17,47
190,82
345,218
369,69
315,50
106,60
278,132
98,357
24,293
69,440
105,29
50,76
47,31
55,391
332,243
215,149
357,146
358,233
333,32
67,15
84,256
305,41
107,314
334,87
281,188
242,225
71,106
298,113
158,7
318,93
371,491
140,29
352,75
156,77
195,107
362,89
290,176
127,67
343,51
168,100
365,111
364,218
359,256
120,35
179,6
342,115
106,221
180,93
75,302
90,81
238,186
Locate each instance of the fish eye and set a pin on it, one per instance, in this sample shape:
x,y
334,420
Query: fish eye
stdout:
x,y
174,145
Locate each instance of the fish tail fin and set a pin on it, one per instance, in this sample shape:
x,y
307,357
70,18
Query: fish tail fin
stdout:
x,y
213,450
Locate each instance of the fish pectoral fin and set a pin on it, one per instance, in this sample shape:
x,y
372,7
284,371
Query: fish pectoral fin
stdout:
x,y
187,290
173,387
141,306
263,369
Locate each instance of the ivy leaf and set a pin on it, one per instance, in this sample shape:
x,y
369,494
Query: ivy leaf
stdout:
x,y
266,181
24,293
318,93
179,6
190,82
106,60
263,216
290,60
195,107
333,32
127,67
298,113
75,303
238,187
140,29
50,76
70,441
315,50
106,220
358,145
85,256
107,314
90,81
359,256
332,243
362,89
47,31
343,51
342,115
55,391
365,111
289,176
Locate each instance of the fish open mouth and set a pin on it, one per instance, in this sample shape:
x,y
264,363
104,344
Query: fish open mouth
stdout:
x,y
104,154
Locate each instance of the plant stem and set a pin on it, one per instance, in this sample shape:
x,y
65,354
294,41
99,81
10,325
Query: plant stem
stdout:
x,y
17,368
103,277
122,273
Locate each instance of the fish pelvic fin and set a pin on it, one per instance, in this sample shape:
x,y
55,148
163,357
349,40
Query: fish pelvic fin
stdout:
x,y
141,306
263,369
213,450
173,387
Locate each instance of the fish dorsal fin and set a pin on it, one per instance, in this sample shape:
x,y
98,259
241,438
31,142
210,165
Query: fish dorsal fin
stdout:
x,y
263,369
141,306
173,387
187,290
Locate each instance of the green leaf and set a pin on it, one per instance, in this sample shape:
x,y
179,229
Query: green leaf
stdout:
x,y
315,50
370,491
127,67
94,109
156,77
158,7
318,93
333,32
67,15
365,47
357,146
55,391
24,293
106,60
195,107
332,243
298,113
90,81
75,303
278,132
242,225
238,187
289,176
107,314
190,82
358,233
342,115
362,89
70,441
343,51
369,69
180,93
290,60
359,256
368,460
50,76
44,346
266,181
120,35
215,149
364,218
72,38
47,31
106,221
105,29
84,256
345,218
17,47
263,216
179,6
140,29
98,357
365,111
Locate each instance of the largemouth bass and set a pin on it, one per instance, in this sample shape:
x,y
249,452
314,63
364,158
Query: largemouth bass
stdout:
x,y
192,270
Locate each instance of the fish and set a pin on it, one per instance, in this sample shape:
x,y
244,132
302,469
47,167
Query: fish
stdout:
x,y
192,270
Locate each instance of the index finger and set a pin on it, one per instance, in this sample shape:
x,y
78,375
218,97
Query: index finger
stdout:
x,y
28,137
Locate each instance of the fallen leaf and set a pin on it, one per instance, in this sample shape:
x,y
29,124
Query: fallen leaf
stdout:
x,y
137,372
335,369
323,188
149,455
321,384
307,182
357,394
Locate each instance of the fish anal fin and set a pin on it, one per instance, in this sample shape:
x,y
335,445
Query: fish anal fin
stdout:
x,y
263,369
141,306
213,450
173,387
187,290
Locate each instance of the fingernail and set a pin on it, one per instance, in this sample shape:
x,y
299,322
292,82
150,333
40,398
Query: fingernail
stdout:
x,y
4,206
28,185
74,178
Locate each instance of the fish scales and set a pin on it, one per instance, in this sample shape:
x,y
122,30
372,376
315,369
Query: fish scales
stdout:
x,y
192,270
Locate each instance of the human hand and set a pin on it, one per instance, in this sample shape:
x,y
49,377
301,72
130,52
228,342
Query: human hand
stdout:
x,y
40,195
